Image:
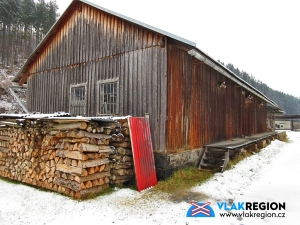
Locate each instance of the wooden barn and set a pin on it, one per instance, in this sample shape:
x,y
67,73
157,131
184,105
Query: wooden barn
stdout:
x,y
95,62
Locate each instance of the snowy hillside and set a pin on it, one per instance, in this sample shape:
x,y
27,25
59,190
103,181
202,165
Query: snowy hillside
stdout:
x,y
8,103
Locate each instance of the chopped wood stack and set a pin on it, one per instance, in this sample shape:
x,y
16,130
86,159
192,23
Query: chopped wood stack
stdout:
x,y
71,157
83,158
24,158
122,170
4,138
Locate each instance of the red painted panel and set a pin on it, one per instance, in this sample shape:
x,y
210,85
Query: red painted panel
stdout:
x,y
143,157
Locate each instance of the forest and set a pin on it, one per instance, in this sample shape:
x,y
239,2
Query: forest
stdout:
x,y
24,23
289,103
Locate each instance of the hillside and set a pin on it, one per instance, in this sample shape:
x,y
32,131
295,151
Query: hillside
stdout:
x,y
8,103
290,104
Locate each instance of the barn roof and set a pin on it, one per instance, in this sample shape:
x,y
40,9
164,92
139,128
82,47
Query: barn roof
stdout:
x,y
21,77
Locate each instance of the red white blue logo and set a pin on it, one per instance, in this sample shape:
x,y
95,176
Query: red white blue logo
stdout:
x,y
200,209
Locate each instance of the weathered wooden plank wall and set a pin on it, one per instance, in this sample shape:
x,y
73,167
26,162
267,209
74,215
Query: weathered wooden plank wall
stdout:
x,y
186,107
92,46
199,112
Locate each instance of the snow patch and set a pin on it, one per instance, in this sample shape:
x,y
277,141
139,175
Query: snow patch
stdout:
x,y
271,175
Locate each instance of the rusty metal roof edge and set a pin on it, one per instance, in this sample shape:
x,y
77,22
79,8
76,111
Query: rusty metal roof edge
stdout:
x,y
228,73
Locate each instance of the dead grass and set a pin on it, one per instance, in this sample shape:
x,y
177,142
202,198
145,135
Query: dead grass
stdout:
x,y
10,181
183,179
285,139
178,184
106,191
238,159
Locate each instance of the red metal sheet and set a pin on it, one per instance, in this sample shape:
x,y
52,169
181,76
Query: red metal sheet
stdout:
x,y
143,157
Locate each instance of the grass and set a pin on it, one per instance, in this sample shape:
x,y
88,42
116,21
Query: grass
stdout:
x,y
10,181
238,159
183,179
106,191
285,139
177,186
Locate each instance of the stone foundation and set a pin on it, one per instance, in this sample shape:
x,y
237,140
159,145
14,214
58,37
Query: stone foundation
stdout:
x,y
167,164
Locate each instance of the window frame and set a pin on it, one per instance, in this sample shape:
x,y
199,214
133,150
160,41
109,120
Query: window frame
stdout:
x,y
107,81
84,85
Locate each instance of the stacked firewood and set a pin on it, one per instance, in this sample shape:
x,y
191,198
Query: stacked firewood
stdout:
x,y
122,168
4,138
24,159
74,157
83,153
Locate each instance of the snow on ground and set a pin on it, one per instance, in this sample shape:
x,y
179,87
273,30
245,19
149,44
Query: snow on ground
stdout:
x,y
269,176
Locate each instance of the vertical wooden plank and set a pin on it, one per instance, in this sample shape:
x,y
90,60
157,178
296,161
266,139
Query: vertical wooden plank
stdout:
x,y
135,103
122,37
144,80
91,48
126,82
90,89
100,34
121,85
163,98
130,83
114,35
126,37
139,96
108,33
154,108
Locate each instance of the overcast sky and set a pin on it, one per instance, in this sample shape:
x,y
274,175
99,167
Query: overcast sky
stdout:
x,y
260,37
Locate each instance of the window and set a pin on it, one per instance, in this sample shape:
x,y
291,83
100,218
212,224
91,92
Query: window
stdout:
x,y
108,94
78,100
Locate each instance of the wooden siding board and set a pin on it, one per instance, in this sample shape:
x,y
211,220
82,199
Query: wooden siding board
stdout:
x,y
148,81
130,84
144,81
210,114
134,84
139,82
163,99
153,91
93,46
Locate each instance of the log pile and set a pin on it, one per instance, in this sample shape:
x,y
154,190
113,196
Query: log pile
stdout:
x,y
25,159
4,138
122,170
74,158
83,153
